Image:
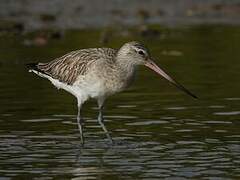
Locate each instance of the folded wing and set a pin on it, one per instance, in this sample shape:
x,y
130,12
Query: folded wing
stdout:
x,y
68,67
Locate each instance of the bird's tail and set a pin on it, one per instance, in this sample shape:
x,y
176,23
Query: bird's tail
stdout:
x,y
33,67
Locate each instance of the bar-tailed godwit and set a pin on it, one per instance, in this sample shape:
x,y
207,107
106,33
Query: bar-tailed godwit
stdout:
x,y
98,73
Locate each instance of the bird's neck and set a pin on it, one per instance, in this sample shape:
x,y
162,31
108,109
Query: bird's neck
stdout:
x,y
126,67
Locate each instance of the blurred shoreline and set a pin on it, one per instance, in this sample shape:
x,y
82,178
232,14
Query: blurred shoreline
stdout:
x,y
30,15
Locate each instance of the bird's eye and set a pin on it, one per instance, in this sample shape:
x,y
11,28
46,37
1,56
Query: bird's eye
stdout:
x,y
141,52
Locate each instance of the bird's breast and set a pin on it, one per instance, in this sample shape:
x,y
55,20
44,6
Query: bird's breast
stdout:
x,y
119,80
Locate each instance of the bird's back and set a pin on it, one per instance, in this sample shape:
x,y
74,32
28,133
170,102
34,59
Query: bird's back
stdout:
x,y
67,68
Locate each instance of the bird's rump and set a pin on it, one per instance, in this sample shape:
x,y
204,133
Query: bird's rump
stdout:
x,y
67,68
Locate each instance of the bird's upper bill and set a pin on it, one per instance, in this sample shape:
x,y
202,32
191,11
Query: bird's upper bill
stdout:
x,y
150,64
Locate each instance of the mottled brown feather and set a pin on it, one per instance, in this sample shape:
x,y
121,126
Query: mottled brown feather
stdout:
x,y
68,67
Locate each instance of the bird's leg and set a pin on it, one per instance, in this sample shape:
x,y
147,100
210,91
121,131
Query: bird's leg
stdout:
x,y
80,124
101,120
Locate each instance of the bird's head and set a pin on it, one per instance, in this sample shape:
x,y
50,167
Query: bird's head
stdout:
x,y
134,53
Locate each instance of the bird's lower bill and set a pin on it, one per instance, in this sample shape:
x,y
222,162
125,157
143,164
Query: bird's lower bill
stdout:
x,y
150,64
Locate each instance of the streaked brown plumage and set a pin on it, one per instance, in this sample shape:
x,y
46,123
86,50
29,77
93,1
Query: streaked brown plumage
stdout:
x,y
68,67
98,73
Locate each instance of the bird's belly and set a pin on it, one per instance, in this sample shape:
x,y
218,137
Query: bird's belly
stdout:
x,y
91,87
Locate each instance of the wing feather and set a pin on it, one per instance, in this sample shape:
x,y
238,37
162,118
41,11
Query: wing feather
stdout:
x,y
68,67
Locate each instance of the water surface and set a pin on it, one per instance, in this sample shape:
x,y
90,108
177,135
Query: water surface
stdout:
x,y
159,132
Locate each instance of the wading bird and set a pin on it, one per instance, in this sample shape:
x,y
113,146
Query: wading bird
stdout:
x,y
98,73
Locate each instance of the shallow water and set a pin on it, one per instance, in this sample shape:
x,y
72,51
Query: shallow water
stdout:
x,y
159,132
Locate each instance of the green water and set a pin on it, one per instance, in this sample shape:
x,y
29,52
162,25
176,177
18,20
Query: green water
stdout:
x,y
159,132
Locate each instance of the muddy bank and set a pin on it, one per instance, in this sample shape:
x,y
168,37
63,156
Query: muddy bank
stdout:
x,y
71,14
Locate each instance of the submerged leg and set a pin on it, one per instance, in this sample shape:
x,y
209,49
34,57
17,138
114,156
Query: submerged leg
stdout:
x,y
101,120
80,124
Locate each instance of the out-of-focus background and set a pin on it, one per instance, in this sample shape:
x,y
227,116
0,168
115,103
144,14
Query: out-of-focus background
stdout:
x,y
158,131
68,14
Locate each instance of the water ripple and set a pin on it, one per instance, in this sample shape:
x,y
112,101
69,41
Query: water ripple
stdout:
x,y
230,113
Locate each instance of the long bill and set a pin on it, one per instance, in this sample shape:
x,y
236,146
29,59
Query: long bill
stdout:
x,y
150,64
